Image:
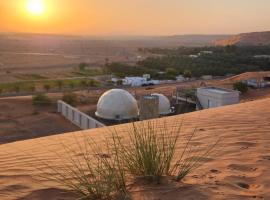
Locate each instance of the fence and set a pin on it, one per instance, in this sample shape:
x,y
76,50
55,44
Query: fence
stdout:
x,y
77,117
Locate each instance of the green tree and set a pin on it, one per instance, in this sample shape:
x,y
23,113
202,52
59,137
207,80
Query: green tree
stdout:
x,y
17,88
82,66
187,74
59,84
171,72
41,100
241,87
71,85
70,98
47,87
83,83
32,88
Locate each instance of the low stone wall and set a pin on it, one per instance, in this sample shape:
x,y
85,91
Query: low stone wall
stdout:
x,y
77,117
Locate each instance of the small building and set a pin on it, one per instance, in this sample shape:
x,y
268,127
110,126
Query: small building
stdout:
x,y
262,56
137,81
134,81
180,78
207,77
257,83
206,52
147,76
211,97
193,56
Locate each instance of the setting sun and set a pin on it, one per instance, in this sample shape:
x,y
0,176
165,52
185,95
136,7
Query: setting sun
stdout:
x,y
35,7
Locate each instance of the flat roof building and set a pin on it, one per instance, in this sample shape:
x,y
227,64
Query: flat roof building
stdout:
x,y
210,97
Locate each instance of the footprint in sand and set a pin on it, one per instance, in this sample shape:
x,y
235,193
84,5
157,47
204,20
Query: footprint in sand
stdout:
x,y
243,185
242,168
266,157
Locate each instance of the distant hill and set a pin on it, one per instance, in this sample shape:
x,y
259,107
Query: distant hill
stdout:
x,y
246,39
19,41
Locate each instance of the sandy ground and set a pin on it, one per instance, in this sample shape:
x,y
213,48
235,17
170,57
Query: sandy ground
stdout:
x,y
239,170
19,120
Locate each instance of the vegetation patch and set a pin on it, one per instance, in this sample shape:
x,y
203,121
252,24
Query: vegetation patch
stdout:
x,y
241,87
151,150
41,100
70,98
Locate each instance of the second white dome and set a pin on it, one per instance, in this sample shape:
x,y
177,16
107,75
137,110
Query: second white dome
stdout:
x,y
164,104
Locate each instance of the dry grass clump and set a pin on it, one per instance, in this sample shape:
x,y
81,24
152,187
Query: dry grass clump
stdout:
x,y
91,172
148,149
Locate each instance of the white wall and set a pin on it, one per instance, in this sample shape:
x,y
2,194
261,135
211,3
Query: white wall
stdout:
x,y
77,117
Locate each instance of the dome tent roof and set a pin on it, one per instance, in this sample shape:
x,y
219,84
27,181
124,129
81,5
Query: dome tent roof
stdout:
x,y
117,104
164,104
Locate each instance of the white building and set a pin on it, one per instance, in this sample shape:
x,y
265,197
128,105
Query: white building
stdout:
x,y
139,81
206,52
207,77
193,56
134,81
256,83
180,78
147,76
210,97
262,56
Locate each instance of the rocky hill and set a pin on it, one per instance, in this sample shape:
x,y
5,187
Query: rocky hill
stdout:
x,y
246,39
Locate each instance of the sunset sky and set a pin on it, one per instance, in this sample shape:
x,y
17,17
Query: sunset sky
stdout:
x,y
134,17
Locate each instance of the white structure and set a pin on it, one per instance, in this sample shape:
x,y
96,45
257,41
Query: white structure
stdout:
x,y
207,77
134,81
77,117
180,78
206,52
210,97
257,83
193,56
139,81
147,76
262,56
117,104
164,104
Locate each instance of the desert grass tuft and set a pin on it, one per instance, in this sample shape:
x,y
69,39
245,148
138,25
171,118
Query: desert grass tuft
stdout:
x,y
89,171
150,150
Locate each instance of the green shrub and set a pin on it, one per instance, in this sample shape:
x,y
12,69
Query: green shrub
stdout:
x,y
241,87
71,85
41,100
17,88
47,87
70,98
187,74
59,84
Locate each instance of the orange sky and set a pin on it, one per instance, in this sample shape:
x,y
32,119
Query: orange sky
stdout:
x,y
137,17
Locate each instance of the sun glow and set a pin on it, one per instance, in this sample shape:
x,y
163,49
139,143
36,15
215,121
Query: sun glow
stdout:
x,y
35,7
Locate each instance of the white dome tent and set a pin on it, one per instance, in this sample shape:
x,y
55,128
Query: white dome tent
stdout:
x,y
117,104
164,104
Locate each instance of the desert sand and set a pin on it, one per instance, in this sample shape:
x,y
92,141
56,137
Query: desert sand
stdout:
x,y
238,170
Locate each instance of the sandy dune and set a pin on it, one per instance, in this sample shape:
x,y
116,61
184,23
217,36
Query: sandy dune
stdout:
x,y
240,169
246,76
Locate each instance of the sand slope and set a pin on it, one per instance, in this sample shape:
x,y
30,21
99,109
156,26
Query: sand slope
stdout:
x,y
241,169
